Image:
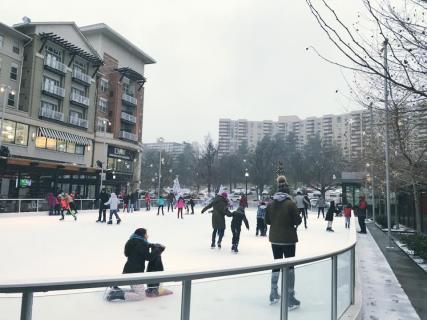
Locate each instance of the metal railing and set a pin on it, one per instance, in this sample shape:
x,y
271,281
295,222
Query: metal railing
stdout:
x,y
78,98
187,278
128,135
83,77
39,205
53,63
52,89
78,122
128,117
46,112
129,99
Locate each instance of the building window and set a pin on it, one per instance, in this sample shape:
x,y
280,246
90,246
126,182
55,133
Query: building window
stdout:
x,y
50,83
54,53
15,46
104,85
80,66
102,104
11,100
120,165
14,72
59,145
78,92
15,133
49,106
76,114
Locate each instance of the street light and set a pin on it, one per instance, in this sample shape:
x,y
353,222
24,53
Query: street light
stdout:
x,y
101,164
246,183
6,90
161,140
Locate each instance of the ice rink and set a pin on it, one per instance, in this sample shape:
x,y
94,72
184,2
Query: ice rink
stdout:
x,y
41,247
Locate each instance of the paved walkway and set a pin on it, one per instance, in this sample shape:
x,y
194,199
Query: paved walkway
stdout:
x,y
383,296
410,276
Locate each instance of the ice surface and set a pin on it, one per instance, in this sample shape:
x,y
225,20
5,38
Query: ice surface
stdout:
x,y
41,247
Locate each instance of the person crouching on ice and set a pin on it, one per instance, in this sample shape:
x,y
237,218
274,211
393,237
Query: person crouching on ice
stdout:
x,y
138,250
220,210
236,226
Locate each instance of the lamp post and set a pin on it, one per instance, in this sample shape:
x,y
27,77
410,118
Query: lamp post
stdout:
x,y
246,183
160,163
6,90
387,163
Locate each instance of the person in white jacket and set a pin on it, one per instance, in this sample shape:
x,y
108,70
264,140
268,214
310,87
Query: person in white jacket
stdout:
x,y
114,206
301,202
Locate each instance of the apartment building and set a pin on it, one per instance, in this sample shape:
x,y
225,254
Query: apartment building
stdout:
x,y
119,106
174,149
74,84
346,131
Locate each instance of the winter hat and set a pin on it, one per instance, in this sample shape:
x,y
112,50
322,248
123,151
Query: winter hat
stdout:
x,y
281,181
224,195
140,232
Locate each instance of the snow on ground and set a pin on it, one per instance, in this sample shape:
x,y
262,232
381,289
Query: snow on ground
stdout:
x,y
41,247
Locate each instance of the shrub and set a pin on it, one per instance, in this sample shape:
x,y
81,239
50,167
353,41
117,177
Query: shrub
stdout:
x,y
416,243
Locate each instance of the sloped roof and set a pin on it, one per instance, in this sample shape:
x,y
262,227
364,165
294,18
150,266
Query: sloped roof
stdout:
x,y
112,34
14,32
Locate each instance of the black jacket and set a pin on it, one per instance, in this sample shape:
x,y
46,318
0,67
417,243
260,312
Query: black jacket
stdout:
x,y
103,198
330,214
134,197
239,217
137,252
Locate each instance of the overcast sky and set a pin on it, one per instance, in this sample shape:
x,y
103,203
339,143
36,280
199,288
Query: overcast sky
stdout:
x,y
216,59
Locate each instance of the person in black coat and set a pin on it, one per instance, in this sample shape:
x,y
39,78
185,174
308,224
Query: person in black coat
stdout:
x,y
236,225
138,250
330,215
191,203
102,199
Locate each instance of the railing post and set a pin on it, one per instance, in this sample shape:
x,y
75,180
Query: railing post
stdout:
x,y
37,206
334,289
284,291
186,300
19,206
352,274
27,306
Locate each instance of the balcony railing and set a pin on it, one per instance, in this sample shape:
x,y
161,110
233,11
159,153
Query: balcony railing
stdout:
x,y
128,117
129,99
79,99
53,90
82,77
78,122
128,136
51,114
55,64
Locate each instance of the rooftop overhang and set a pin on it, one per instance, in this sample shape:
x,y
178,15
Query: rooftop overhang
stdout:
x,y
132,75
73,49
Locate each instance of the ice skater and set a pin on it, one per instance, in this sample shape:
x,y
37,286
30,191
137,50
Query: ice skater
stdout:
x,y
282,215
160,204
236,226
321,207
220,209
261,227
301,203
65,206
347,215
102,198
180,204
113,202
330,216
138,250
191,203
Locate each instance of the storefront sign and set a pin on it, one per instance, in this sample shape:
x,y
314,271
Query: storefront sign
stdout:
x,y
120,153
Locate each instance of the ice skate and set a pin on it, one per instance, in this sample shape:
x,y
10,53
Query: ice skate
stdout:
x,y
118,221
213,246
274,296
116,295
219,245
110,222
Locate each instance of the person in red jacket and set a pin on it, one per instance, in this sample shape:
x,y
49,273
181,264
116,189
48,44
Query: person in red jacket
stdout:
x,y
347,215
361,214
147,200
243,202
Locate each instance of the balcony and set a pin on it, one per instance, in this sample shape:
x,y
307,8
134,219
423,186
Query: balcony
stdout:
x,y
128,117
48,113
54,65
79,99
128,136
52,90
79,122
81,77
129,100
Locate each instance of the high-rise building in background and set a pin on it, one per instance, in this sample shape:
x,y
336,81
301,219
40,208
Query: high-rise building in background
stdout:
x,y
174,149
347,131
70,84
